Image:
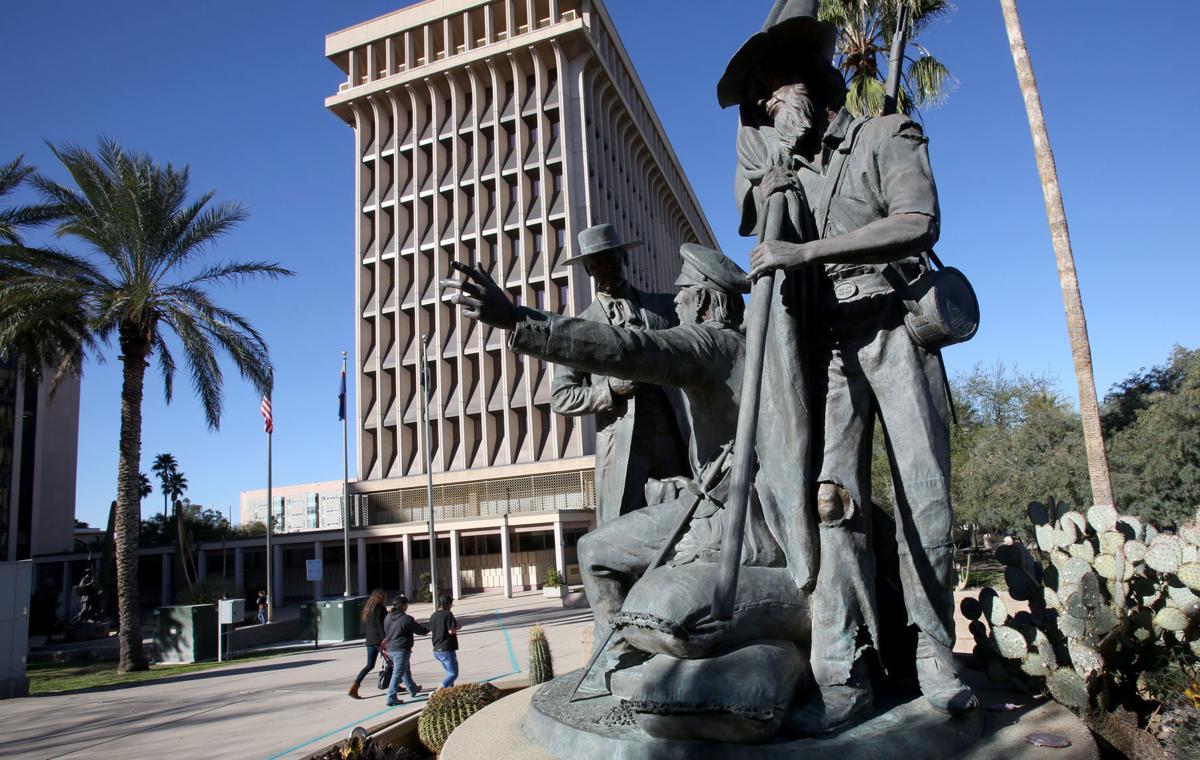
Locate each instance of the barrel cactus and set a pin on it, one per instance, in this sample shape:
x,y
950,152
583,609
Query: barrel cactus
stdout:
x,y
1110,599
541,664
448,708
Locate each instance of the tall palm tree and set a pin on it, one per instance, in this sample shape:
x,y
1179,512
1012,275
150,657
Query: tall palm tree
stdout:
x,y
164,465
139,282
865,29
1081,348
175,484
13,220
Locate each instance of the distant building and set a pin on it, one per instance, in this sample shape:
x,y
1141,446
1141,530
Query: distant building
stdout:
x,y
39,443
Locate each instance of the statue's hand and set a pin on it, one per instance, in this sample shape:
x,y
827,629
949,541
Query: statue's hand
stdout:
x,y
776,180
774,254
622,387
480,297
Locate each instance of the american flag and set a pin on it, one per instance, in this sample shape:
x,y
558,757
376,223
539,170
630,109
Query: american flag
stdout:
x,y
268,425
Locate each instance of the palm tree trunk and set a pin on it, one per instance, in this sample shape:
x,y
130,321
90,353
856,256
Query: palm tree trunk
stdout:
x,y
133,358
1081,350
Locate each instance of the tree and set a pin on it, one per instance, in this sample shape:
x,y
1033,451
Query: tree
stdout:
x,y
164,465
865,30
144,487
1156,458
139,283
1081,347
1136,392
14,220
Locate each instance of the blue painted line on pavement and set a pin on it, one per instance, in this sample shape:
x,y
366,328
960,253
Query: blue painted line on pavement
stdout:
x,y
512,656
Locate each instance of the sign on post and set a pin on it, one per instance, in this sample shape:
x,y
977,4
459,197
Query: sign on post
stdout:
x,y
314,569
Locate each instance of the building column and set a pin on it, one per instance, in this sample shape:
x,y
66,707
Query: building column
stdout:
x,y
64,608
319,586
166,579
201,564
506,559
559,553
455,580
361,553
408,579
239,569
277,576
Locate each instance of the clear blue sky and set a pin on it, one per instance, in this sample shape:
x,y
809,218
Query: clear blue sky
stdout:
x,y
236,90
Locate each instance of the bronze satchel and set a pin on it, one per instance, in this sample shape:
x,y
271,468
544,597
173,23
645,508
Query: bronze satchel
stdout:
x,y
942,306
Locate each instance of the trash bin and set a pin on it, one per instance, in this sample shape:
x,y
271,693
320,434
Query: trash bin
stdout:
x,y
186,633
336,619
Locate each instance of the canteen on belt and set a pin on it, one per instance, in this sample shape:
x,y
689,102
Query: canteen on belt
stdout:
x,y
942,306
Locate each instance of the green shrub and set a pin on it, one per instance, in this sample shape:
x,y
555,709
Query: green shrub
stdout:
x,y
211,590
449,708
553,579
424,581
356,748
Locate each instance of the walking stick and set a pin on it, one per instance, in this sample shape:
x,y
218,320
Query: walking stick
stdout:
x,y
742,477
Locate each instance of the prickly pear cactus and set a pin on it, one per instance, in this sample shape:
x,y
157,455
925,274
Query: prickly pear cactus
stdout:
x,y
541,664
1109,598
448,708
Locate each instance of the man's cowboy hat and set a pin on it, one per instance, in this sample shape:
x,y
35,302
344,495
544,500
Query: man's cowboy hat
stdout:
x,y
792,36
599,239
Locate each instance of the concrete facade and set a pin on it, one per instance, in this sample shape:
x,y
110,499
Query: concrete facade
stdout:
x,y
491,132
39,443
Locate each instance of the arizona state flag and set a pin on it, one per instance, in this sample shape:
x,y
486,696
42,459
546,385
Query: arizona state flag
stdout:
x,y
342,396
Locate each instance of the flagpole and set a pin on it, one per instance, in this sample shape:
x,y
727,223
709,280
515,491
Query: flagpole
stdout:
x,y
270,528
345,483
433,584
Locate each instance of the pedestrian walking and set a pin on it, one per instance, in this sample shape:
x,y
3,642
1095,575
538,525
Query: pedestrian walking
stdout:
x,y
373,614
261,604
398,629
444,628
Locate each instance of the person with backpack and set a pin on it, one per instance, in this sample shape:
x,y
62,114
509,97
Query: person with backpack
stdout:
x,y
445,639
373,614
399,628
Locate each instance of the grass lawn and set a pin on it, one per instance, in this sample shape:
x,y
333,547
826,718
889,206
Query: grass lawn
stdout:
x,y
51,678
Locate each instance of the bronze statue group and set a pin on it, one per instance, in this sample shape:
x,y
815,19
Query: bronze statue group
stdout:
x,y
845,213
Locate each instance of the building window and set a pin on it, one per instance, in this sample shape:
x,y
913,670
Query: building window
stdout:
x,y
537,244
563,298
312,510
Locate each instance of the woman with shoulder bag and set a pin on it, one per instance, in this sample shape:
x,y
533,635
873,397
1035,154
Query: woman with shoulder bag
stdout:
x,y
373,614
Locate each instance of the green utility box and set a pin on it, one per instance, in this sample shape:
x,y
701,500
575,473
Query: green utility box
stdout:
x,y
186,633
337,619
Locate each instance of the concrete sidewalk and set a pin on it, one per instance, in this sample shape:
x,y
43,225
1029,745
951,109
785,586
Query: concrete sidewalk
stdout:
x,y
284,707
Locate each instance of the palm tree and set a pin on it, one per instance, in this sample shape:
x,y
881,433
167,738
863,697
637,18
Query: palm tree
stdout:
x,y
865,29
1081,348
139,282
144,487
13,220
164,465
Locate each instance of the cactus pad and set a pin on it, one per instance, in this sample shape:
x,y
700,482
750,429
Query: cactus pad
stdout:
x,y
1106,567
1189,553
971,608
993,607
1171,619
1068,688
1102,517
1190,532
1165,553
1185,599
1009,642
1110,541
1135,551
1189,574
1046,539
1020,585
1071,626
1130,527
1085,659
1010,555
1038,514
1073,570
1033,664
1077,519
1083,550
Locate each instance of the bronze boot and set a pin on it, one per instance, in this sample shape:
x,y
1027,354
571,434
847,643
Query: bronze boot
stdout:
x,y
939,679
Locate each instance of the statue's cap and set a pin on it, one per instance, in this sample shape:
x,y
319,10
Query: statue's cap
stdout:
x,y
709,268
792,36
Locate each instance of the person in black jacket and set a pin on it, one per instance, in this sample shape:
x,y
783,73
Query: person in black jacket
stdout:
x,y
398,630
373,614
445,639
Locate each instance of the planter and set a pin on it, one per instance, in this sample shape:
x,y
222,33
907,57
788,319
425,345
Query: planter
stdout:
x,y
554,592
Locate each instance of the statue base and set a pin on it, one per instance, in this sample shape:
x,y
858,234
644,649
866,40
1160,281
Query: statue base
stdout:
x,y
539,724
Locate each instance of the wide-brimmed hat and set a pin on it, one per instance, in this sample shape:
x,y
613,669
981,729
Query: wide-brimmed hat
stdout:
x,y
709,268
601,238
792,36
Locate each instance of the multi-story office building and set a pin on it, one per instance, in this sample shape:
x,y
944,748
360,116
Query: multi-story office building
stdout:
x,y
487,131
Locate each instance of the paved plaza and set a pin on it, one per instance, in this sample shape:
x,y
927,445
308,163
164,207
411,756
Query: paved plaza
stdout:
x,y
284,707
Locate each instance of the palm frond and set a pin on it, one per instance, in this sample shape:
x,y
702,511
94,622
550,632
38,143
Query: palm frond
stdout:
x,y
928,82
864,96
238,271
